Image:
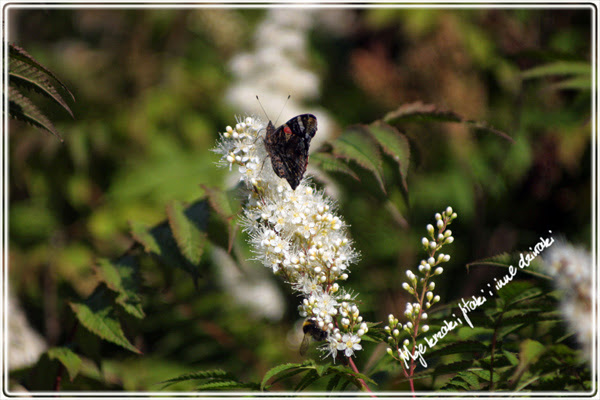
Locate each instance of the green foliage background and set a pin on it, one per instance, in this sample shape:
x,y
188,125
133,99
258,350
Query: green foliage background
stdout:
x,y
149,87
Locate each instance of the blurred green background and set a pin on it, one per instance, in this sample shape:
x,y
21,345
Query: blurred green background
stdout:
x,y
154,87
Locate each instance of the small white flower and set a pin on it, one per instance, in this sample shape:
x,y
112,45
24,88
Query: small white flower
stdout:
x,y
349,344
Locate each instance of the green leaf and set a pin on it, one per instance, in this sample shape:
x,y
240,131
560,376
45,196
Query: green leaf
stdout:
x,y
227,205
511,357
222,385
199,375
161,242
470,378
277,370
307,380
21,108
558,68
429,112
141,234
26,76
68,358
529,352
453,367
393,143
122,276
328,162
577,83
17,53
419,111
356,144
190,236
333,382
466,346
97,314
505,260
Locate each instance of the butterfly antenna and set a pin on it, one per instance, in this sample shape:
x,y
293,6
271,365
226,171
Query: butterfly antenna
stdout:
x,y
261,106
286,100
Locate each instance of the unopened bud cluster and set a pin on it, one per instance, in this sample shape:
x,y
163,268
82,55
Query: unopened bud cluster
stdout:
x,y
419,285
298,235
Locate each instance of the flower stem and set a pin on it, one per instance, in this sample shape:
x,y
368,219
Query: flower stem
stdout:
x,y
362,382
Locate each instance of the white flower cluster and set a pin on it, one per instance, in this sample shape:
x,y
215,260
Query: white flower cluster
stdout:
x,y
297,234
420,286
571,268
277,64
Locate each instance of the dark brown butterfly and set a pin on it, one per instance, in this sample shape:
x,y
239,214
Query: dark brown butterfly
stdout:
x,y
288,147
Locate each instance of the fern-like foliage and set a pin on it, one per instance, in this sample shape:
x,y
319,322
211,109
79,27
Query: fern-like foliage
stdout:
x,y
26,74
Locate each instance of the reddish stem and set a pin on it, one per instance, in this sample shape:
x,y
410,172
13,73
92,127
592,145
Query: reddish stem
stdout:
x,y
362,382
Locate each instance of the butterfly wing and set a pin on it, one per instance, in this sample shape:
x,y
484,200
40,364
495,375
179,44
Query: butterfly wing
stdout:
x,y
288,147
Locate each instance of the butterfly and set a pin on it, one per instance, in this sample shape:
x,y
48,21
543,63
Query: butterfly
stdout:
x,y
288,145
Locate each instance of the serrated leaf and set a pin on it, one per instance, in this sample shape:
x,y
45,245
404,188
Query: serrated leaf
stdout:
x,y
419,111
330,163
583,83
394,144
511,357
453,367
513,289
225,202
348,371
456,383
28,77
277,370
210,374
333,382
21,108
190,237
470,378
18,53
68,358
529,352
466,346
97,314
141,234
220,385
161,242
308,379
227,205
505,260
357,145
529,318
122,276
558,68
482,374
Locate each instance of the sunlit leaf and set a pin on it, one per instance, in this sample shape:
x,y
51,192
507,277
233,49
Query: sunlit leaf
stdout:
x,y
330,163
122,276
357,145
189,235
23,109
68,358
97,314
